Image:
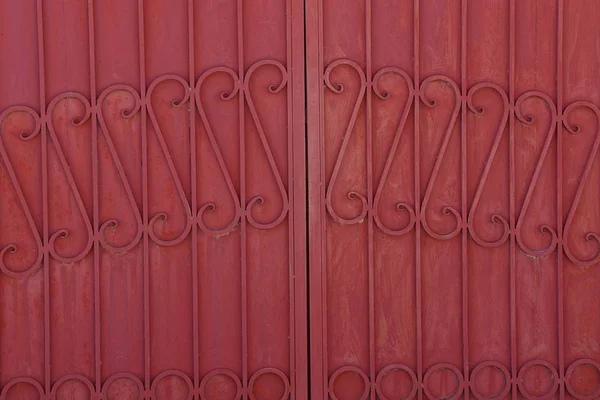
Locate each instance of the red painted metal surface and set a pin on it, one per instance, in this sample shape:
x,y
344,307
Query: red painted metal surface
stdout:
x,y
453,198
152,199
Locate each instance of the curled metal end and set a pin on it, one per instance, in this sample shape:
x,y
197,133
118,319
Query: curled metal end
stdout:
x,y
339,88
431,102
113,224
259,200
401,207
12,249
544,229
163,218
383,94
27,135
64,234
528,119
352,195
495,219
585,263
447,211
211,207
574,128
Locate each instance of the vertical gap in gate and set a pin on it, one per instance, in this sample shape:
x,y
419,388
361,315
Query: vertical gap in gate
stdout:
x,y
194,200
95,199
306,202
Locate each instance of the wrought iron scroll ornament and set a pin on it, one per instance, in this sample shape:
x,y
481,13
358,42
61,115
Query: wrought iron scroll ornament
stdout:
x,y
528,120
369,202
338,88
76,122
258,200
447,210
126,114
12,248
162,216
225,96
589,236
495,218
401,205
84,114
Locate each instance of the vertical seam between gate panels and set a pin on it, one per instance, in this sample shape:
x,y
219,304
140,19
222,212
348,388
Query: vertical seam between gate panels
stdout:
x,y
316,323
559,193
307,286
95,197
44,160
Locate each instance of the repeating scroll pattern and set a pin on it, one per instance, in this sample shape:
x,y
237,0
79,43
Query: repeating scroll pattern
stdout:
x,y
447,210
73,113
452,97
26,136
194,214
393,148
125,114
528,120
589,236
77,121
225,96
495,218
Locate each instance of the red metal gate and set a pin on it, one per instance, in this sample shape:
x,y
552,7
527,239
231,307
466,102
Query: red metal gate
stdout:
x,y
153,214
453,191
152,208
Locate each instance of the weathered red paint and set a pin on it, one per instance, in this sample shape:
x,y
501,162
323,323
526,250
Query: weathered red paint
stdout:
x,y
453,186
153,199
153,208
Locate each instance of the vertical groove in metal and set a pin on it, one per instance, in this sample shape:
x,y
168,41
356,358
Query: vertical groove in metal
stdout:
x,y
194,197
464,199
417,177
95,196
322,190
369,159
146,255
291,169
559,198
244,227
44,173
512,205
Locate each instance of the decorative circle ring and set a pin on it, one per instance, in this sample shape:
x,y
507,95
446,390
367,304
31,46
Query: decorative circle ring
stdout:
x,y
455,371
123,375
490,364
538,363
178,374
396,367
355,370
73,377
582,396
26,380
265,371
221,372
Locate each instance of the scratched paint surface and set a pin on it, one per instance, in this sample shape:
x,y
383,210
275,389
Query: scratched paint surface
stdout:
x,y
453,189
152,163
151,166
